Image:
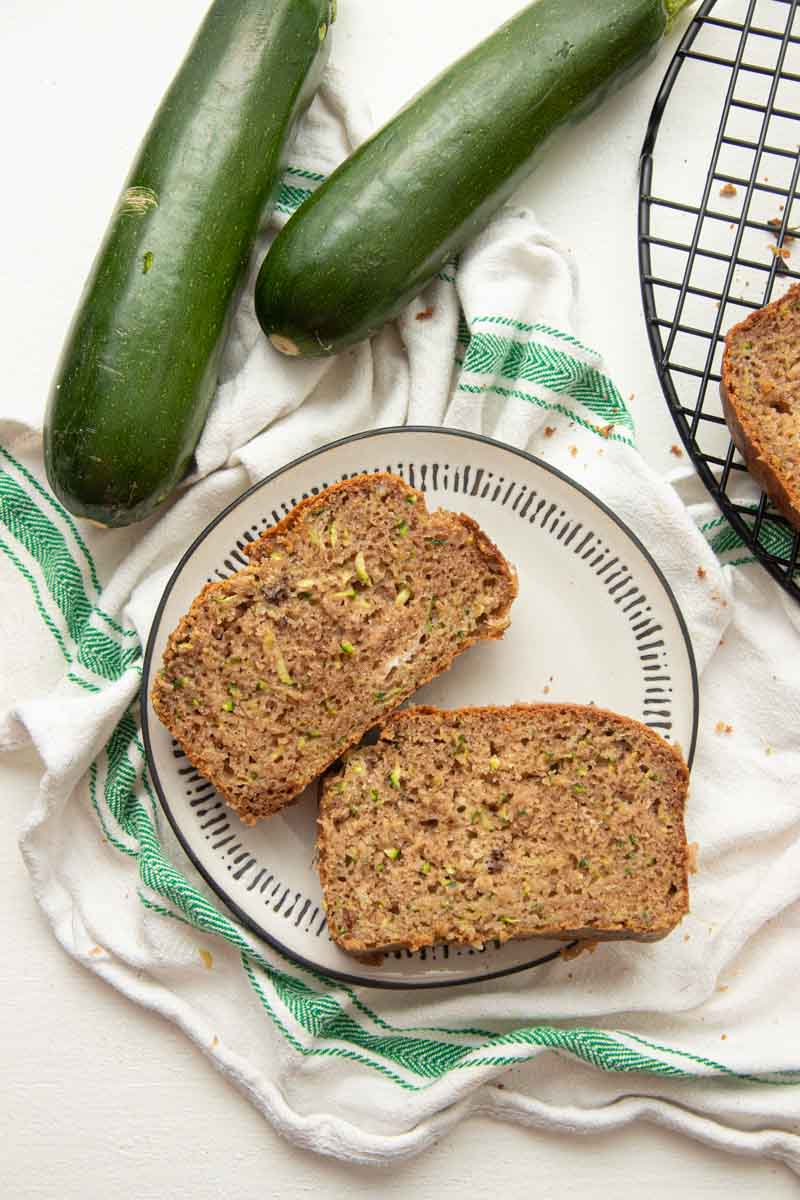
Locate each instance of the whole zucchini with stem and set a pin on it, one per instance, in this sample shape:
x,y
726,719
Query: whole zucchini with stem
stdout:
x,y
374,234
139,368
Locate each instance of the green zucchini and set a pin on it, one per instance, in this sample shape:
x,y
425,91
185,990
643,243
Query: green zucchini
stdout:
x,y
374,234
139,369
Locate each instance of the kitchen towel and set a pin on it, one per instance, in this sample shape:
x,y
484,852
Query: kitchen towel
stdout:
x,y
697,1032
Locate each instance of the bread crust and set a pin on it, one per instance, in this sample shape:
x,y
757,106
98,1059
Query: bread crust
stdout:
x,y
513,712
520,709
745,433
260,549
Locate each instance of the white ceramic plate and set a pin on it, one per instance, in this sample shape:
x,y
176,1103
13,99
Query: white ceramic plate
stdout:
x,y
595,622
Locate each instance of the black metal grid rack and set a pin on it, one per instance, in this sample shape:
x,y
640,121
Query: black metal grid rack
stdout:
x,y
718,237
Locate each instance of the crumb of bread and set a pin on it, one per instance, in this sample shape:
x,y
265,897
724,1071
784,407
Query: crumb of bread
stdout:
x,y
693,850
426,313
573,451
686,937
549,430
214,1042
721,727
790,233
701,572
723,987
723,1037
780,252
96,951
676,450
727,189
207,957
606,430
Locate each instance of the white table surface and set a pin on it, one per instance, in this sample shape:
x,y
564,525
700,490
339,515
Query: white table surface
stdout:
x,y
99,1098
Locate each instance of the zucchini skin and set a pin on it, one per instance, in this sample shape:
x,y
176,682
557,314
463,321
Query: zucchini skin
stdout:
x,y
381,226
139,367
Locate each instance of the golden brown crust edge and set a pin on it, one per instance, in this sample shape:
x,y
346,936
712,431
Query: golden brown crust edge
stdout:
x,y
353,947
501,710
745,437
257,551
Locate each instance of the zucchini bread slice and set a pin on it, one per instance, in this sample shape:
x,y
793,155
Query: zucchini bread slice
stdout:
x,y
352,602
761,398
545,820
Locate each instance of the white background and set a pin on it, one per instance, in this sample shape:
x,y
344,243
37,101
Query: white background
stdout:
x,y
99,1099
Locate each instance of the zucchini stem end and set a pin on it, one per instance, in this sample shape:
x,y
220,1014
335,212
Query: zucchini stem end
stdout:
x,y
284,344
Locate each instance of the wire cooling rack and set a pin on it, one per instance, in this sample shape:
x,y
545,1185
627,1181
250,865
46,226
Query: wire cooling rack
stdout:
x,y
718,211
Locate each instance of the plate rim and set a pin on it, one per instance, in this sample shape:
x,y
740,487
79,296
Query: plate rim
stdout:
x,y
216,887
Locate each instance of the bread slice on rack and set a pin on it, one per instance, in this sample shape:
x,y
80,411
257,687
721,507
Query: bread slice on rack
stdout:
x,y
481,824
352,602
761,398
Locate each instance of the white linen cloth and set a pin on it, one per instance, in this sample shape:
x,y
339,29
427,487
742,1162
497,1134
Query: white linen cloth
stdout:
x,y
698,1032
